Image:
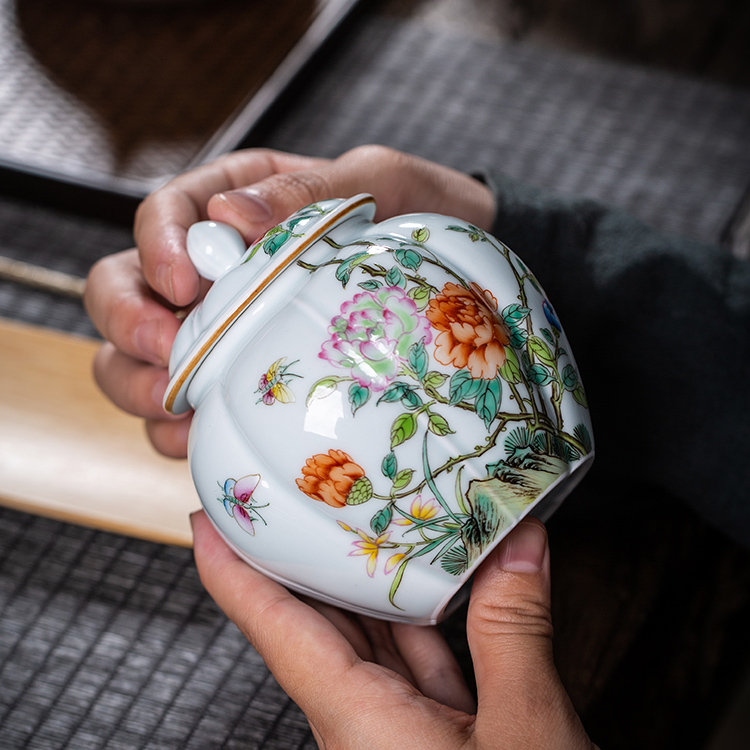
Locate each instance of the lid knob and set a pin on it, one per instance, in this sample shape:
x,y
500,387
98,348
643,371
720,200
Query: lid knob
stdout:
x,y
214,248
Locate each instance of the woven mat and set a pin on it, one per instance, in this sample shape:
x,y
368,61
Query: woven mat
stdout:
x,y
108,642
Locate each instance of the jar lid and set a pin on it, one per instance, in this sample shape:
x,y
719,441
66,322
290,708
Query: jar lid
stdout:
x,y
238,288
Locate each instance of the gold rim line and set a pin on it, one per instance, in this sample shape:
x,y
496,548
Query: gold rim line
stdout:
x,y
222,329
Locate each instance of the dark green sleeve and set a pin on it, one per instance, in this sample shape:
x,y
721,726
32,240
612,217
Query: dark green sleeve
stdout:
x,y
660,328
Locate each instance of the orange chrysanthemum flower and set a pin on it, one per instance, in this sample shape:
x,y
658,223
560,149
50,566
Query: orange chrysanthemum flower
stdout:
x,y
328,477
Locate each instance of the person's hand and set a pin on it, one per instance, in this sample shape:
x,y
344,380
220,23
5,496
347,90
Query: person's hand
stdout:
x,y
365,683
133,296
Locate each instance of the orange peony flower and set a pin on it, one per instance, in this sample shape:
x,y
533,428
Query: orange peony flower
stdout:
x,y
328,477
472,335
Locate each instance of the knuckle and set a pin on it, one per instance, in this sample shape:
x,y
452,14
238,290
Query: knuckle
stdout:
x,y
124,314
374,153
99,365
524,618
302,188
143,208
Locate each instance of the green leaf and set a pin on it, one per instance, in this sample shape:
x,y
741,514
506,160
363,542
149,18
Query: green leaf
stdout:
x,y
402,479
393,392
580,396
430,480
358,396
541,351
410,399
514,314
548,335
474,233
397,582
420,295
434,379
360,492
569,378
345,268
434,544
302,217
403,428
421,235
370,285
488,403
463,387
389,466
570,454
395,277
408,258
418,359
582,434
517,337
323,387
438,425
296,220
456,560
510,372
382,519
540,375
343,273
275,241
462,506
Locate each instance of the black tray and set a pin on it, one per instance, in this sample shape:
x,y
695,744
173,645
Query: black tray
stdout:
x,y
112,98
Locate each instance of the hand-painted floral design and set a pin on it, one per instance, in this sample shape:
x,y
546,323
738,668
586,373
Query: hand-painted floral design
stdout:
x,y
419,512
330,477
273,385
472,334
238,501
439,353
276,237
370,546
373,334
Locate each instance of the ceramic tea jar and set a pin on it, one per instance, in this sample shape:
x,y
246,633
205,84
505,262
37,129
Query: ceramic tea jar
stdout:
x,y
376,405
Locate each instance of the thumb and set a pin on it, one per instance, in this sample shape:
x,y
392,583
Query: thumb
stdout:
x,y
400,183
509,627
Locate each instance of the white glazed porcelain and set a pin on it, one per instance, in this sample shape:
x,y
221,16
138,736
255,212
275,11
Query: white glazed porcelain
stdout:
x,y
377,405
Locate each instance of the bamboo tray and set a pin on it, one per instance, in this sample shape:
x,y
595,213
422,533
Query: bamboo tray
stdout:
x,y
67,453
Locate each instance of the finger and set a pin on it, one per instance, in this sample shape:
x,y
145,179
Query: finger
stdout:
x,y
170,436
131,384
295,641
509,628
433,665
138,388
347,624
126,312
344,698
163,219
399,182
385,651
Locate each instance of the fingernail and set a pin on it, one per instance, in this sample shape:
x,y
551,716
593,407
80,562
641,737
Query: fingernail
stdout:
x,y
523,549
148,340
160,388
248,204
164,280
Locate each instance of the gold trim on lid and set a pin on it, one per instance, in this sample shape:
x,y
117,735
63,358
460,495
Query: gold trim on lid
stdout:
x,y
180,378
